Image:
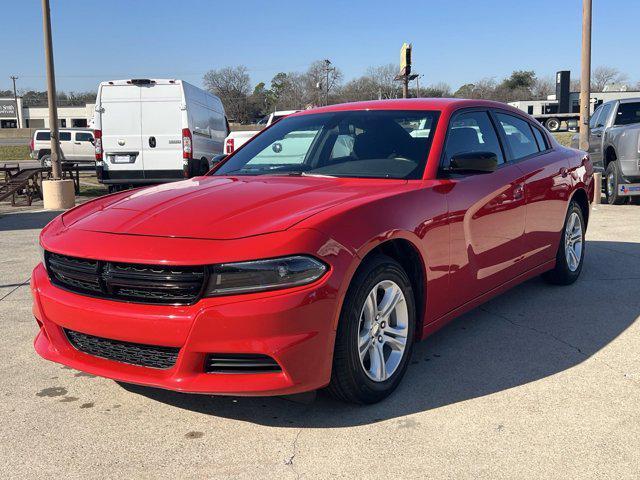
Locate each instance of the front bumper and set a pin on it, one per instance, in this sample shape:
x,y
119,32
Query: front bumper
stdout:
x,y
296,327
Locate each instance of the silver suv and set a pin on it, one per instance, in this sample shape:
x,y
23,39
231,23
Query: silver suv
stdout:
x,y
76,145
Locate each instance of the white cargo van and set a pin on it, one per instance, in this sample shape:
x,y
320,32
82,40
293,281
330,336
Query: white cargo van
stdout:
x,y
153,131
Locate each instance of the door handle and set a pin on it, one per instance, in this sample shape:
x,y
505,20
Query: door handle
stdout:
x,y
77,143
598,134
152,142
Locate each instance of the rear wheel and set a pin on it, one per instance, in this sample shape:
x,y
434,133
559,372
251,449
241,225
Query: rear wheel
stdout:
x,y
570,255
612,177
375,334
45,161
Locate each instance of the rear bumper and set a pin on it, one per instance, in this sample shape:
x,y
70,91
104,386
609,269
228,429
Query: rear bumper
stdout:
x,y
137,176
295,328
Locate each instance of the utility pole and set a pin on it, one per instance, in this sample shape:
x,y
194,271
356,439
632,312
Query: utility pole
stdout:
x,y
585,75
56,172
327,69
57,193
15,99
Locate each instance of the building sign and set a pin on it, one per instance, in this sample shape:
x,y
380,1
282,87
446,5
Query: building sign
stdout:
x,y
7,108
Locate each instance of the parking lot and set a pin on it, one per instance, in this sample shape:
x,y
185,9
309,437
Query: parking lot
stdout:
x,y
542,382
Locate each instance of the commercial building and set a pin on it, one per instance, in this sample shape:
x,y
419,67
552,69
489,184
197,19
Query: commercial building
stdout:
x,y
38,117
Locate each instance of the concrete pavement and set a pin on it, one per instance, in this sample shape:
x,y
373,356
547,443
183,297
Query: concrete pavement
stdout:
x,y
542,382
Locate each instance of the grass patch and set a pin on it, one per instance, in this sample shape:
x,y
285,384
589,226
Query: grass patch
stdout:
x,y
89,190
564,138
10,153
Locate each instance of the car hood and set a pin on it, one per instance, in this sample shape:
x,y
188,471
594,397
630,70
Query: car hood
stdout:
x,y
221,207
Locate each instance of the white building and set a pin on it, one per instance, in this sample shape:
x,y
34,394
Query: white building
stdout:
x,y
38,117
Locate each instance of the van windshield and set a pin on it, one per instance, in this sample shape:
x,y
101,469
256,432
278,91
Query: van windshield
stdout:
x,y
364,144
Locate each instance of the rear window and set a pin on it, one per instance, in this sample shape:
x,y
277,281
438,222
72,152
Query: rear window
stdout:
x,y
519,136
83,137
628,113
44,136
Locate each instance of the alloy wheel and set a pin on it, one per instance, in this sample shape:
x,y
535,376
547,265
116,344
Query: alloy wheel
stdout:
x,y
383,331
573,242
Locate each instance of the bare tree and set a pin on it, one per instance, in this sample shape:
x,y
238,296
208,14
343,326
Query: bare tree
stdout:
x,y
232,85
542,88
603,76
316,79
383,77
440,89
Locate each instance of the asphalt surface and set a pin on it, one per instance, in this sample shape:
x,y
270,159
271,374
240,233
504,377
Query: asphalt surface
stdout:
x,y
542,383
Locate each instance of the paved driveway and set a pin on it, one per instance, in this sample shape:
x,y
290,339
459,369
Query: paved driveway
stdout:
x,y
542,382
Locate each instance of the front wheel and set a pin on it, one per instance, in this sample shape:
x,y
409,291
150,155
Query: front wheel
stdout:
x,y
375,334
570,255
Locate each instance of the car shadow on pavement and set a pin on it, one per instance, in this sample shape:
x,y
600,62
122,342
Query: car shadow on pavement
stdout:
x,y
531,332
26,220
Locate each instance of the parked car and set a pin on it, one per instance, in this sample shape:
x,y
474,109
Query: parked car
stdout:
x,y
76,145
238,138
272,277
154,130
614,147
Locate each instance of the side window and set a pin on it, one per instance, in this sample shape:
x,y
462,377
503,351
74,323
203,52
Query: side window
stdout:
x,y
519,135
602,118
65,136
540,138
84,137
594,117
471,132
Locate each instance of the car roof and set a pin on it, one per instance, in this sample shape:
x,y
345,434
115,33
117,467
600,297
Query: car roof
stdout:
x,y
438,104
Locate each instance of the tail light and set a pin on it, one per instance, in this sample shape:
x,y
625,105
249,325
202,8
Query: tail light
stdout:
x,y
186,143
31,144
229,147
97,143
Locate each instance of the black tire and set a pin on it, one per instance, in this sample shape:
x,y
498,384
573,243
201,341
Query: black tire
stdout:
x,y
349,382
562,274
612,182
45,161
552,124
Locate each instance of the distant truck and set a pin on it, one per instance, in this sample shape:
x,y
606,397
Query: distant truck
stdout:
x,y
562,110
614,147
155,130
236,139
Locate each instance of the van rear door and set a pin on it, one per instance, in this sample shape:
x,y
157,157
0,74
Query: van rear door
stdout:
x,y
161,119
121,128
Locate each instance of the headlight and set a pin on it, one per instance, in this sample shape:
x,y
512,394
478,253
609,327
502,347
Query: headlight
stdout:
x,y
261,275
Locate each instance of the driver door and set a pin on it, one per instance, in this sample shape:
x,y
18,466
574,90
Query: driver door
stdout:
x,y
486,211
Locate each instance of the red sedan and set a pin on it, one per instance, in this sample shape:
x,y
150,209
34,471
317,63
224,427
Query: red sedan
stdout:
x,y
316,254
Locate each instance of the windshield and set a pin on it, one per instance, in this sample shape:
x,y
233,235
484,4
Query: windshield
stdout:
x,y
364,144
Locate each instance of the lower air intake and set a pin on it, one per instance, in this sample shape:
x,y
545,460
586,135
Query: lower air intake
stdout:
x,y
125,352
240,363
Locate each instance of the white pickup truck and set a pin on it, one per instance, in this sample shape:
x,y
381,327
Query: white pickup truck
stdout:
x,y
236,139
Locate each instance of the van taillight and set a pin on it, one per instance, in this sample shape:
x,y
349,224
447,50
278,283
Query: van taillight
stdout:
x,y
186,143
31,144
229,146
97,143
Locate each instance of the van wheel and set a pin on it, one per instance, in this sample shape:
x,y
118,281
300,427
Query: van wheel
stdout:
x,y
375,334
612,178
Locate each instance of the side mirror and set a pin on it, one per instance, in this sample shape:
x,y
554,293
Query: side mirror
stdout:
x,y
218,158
474,162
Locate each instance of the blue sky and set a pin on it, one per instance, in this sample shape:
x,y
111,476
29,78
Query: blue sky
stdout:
x,y
454,41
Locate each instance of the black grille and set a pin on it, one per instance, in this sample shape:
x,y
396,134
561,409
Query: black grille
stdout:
x,y
240,363
127,282
132,353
